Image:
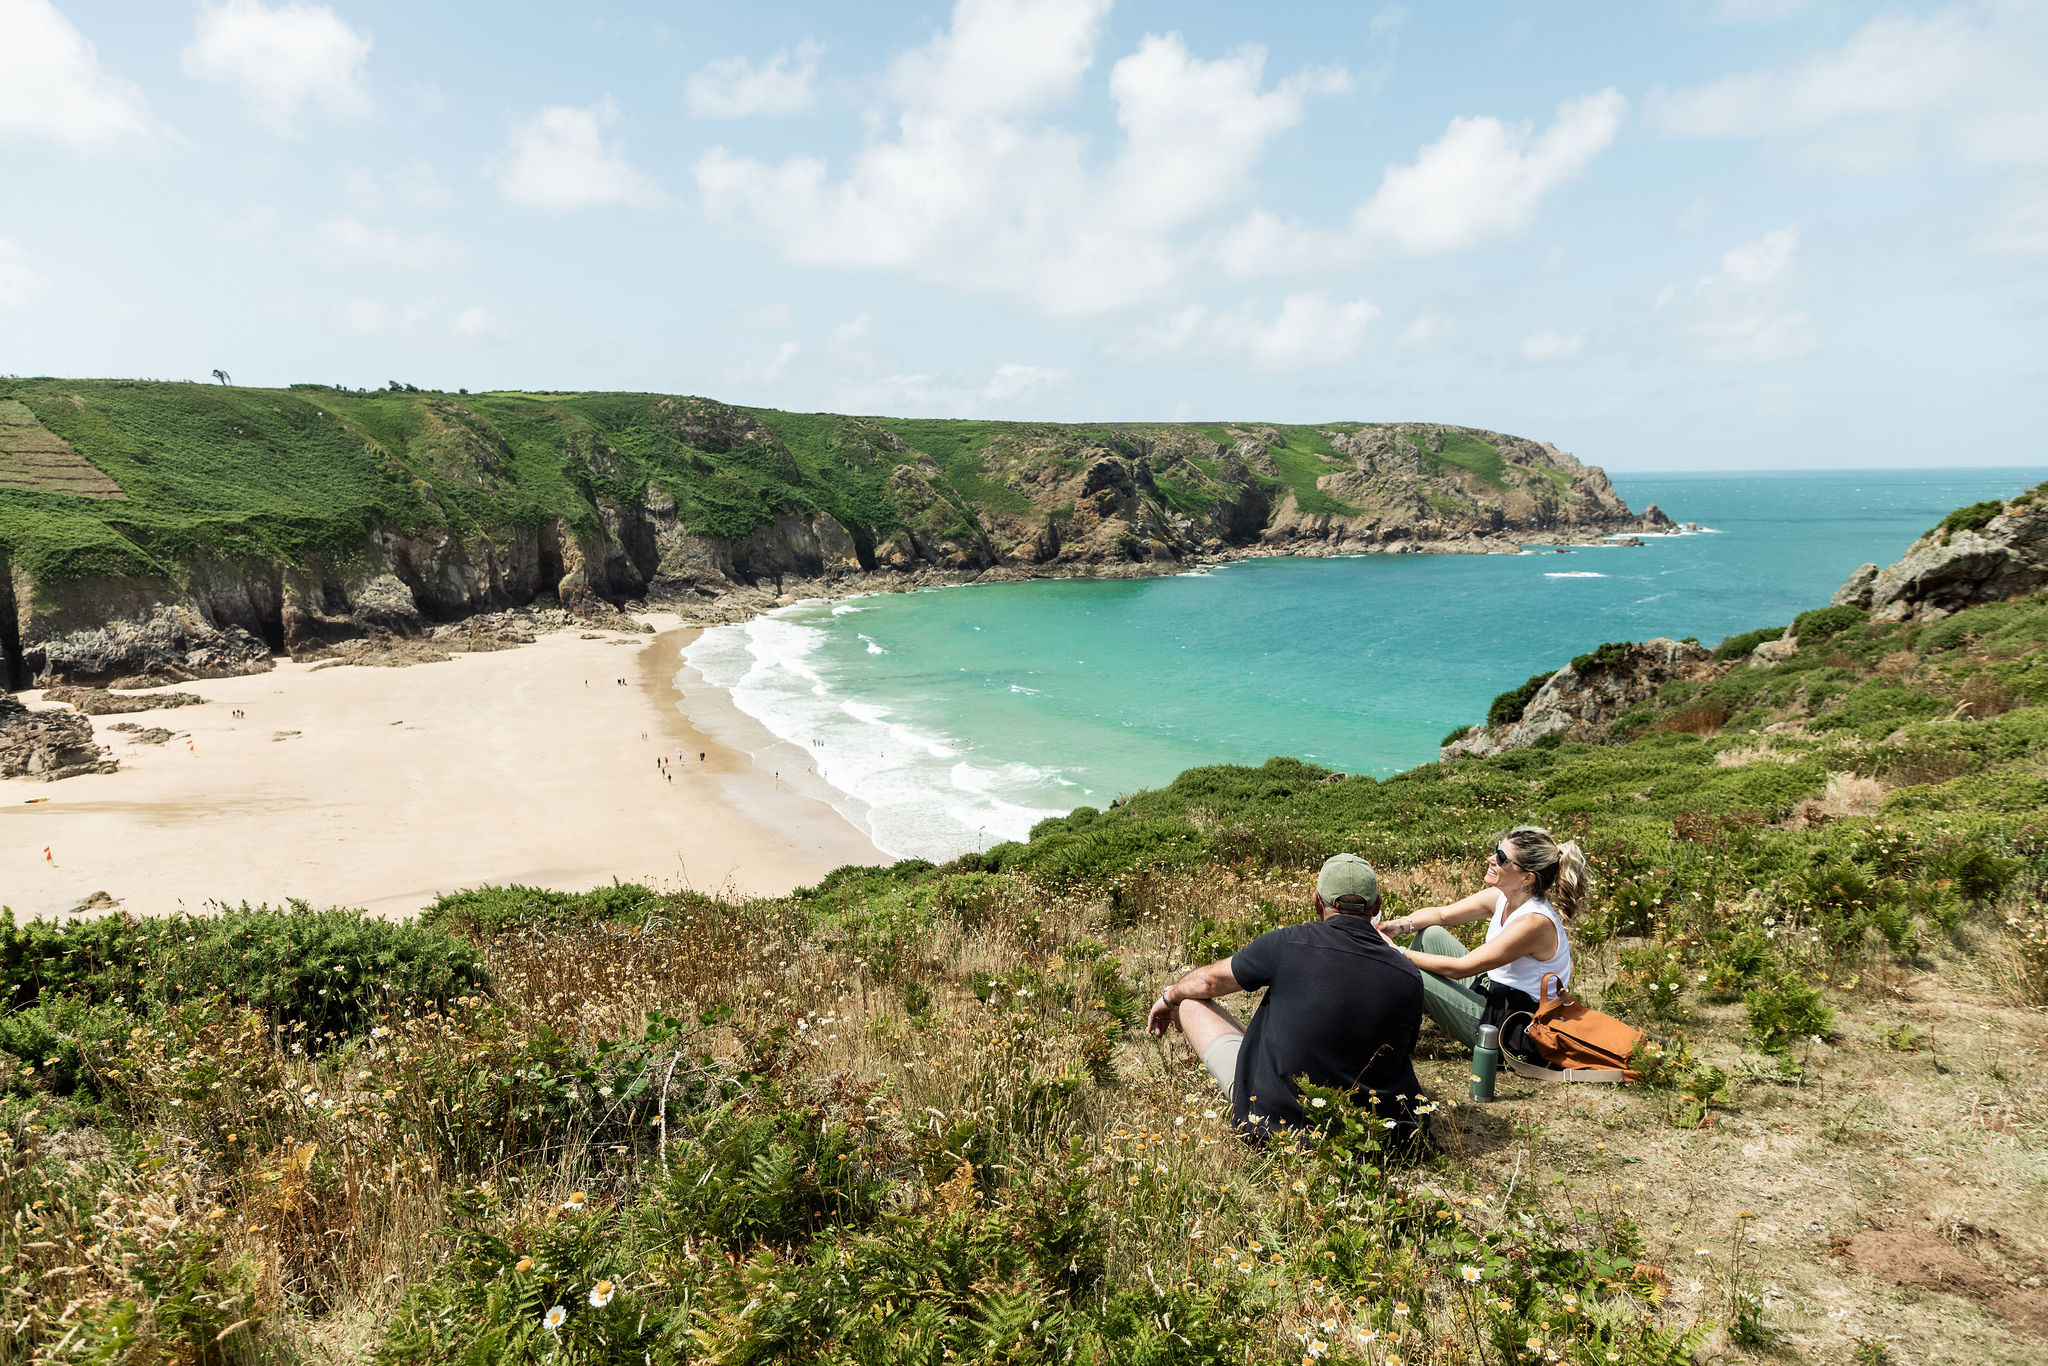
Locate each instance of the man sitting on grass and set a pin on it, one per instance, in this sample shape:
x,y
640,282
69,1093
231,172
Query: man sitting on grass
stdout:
x,y
1342,1011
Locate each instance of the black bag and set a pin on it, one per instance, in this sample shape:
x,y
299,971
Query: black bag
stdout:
x,y
1508,1010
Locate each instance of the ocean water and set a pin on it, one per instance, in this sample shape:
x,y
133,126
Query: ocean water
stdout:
x,y
950,719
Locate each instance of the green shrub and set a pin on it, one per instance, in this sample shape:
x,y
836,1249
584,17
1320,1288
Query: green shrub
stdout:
x,y
1455,736
1612,655
60,1042
1824,623
328,971
1739,647
1507,709
1782,1014
1975,517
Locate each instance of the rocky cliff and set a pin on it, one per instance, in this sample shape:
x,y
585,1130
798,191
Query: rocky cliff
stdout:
x,y
1580,701
1988,552
230,525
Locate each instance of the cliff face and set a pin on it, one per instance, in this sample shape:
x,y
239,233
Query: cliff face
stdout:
x,y
250,522
1987,553
1579,701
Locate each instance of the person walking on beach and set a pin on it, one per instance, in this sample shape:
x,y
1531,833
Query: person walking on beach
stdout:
x,y
1342,1010
1533,886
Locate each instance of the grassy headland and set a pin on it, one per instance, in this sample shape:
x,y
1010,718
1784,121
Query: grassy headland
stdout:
x,y
311,514
906,1116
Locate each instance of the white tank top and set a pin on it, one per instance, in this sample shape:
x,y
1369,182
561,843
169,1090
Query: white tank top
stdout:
x,y
1526,973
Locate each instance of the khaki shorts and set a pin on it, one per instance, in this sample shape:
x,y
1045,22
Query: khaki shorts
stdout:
x,y
1221,1060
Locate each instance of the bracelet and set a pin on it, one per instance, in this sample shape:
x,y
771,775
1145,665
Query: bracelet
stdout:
x,y
1162,997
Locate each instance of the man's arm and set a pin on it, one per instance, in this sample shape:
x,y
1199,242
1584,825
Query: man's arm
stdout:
x,y
1203,984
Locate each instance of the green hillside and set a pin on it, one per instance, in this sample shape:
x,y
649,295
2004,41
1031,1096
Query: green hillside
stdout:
x,y
301,477
907,1115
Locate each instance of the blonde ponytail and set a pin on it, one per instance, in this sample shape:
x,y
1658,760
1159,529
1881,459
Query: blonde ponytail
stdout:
x,y
1559,869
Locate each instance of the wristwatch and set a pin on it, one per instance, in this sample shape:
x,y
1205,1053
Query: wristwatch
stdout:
x,y
1163,999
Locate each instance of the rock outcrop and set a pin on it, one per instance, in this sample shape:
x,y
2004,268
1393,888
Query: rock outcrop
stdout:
x,y
1953,567
47,745
1582,699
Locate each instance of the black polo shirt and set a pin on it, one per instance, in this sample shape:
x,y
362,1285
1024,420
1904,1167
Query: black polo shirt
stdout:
x,y
1343,1008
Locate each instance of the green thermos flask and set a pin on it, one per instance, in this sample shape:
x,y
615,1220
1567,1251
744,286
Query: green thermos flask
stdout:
x,y
1485,1062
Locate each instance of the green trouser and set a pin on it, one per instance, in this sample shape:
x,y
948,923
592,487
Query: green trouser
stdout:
x,y
1454,1006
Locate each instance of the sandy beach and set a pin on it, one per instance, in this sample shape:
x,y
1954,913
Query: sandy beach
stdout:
x,y
385,787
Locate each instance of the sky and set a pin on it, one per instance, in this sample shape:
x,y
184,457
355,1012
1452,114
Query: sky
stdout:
x,y
1690,235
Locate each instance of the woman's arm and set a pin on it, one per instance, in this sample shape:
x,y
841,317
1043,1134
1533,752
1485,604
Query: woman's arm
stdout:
x,y
1477,906
1525,935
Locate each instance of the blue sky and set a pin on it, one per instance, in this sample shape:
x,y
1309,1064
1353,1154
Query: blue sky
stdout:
x,y
1690,235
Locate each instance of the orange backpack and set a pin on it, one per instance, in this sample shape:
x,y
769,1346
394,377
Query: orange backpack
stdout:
x,y
1578,1043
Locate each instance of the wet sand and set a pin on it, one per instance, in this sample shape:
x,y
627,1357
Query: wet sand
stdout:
x,y
385,787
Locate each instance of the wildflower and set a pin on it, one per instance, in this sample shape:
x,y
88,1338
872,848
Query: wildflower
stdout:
x,y
1317,1102
1301,1185
1208,1114
601,1294
1363,1336
1220,1262
1470,1273
605,1091
1701,1252
1400,1311
1256,1247
1245,1267
1535,1344
555,1319
524,1264
574,1204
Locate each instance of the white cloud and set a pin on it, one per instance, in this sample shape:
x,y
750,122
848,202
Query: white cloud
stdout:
x,y
1309,331
477,324
764,317
758,374
415,185
1969,73
1001,57
1547,345
1427,332
423,320
733,87
862,381
283,60
52,85
558,160
966,190
1484,179
346,241
19,281
1743,313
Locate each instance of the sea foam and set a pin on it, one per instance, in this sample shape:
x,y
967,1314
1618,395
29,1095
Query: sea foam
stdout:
x,y
915,791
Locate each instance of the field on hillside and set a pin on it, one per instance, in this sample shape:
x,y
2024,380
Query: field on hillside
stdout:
x,y
908,1115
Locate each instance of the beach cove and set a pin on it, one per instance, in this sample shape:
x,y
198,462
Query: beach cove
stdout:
x,y
385,787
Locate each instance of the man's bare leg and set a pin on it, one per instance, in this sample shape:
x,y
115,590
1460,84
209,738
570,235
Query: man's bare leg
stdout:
x,y
1204,1022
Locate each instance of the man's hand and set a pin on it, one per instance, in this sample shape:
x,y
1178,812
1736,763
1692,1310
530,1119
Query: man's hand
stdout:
x,y
1162,1017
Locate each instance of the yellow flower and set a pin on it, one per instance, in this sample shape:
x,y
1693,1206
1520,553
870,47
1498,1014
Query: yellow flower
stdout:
x,y
525,1264
1535,1344
601,1294
556,1318
574,1204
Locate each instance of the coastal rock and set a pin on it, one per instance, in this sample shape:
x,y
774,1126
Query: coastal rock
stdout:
x,y
47,745
1855,590
1580,701
1773,652
1948,570
100,702
166,642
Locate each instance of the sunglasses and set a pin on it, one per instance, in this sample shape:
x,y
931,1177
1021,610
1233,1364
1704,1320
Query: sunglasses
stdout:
x,y
1500,856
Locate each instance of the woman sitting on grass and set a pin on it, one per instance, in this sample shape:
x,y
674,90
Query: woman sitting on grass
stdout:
x,y
1533,885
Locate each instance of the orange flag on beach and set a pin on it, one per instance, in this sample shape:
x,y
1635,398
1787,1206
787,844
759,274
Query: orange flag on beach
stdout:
x,y
47,858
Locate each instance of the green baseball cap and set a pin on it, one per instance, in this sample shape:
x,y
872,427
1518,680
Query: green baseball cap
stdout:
x,y
1346,875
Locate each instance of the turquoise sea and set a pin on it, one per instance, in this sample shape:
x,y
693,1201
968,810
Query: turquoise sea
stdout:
x,y
950,719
